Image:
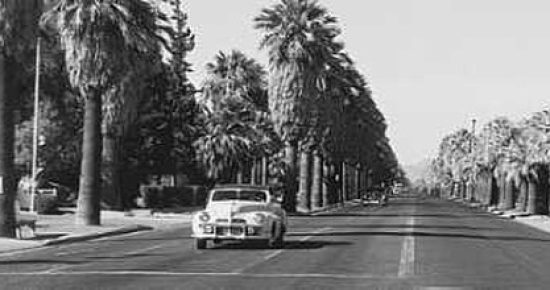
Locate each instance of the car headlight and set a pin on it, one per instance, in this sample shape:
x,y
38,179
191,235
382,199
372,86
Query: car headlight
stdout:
x,y
259,218
204,216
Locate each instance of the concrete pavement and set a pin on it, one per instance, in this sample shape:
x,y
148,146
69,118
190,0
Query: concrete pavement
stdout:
x,y
60,228
410,244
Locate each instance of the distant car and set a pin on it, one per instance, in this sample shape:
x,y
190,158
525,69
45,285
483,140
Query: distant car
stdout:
x,y
241,213
375,195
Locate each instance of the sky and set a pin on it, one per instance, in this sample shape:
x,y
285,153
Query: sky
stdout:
x,y
433,65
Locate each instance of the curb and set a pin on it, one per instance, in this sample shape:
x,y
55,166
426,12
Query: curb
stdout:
x,y
92,236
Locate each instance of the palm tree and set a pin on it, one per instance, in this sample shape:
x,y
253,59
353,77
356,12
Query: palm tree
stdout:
x,y
235,101
224,145
101,40
18,31
299,36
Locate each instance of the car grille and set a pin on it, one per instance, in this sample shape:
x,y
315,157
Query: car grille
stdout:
x,y
229,230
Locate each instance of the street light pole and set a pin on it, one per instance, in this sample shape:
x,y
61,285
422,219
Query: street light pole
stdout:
x,y
35,127
472,160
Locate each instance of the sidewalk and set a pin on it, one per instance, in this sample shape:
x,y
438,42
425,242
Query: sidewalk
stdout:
x,y
60,228
539,222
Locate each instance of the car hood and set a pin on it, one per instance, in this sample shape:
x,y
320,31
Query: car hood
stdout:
x,y
231,208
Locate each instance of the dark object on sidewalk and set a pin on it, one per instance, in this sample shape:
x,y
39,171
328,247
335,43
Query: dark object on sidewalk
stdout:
x,y
25,220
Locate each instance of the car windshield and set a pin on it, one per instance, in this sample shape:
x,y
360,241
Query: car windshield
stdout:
x,y
244,195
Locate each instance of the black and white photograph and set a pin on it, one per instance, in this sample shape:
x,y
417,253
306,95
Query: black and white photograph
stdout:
x,y
275,144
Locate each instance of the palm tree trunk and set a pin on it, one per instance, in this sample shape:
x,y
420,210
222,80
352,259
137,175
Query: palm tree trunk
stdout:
x,y
7,178
344,183
110,194
493,190
502,192
88,210
509,195
317,181
254,172
326,179
240,176
532,196
289,199
304,193
357,181
265,170
521,201
544,189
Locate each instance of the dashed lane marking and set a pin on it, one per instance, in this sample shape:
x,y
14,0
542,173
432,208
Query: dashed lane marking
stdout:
x,y
406,263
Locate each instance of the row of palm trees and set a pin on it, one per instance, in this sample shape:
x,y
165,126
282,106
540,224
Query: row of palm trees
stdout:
x,y
506,165
320,105
309,121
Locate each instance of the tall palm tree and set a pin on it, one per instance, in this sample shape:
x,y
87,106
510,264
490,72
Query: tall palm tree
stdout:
x,y
18,31
299,35
100,40
236,102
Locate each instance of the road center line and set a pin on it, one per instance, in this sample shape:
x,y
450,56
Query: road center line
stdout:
x,y
406,263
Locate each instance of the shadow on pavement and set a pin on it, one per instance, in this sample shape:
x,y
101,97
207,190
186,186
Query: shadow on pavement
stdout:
x,y
406,226
40,237
25,262
289,245
427,234
368,215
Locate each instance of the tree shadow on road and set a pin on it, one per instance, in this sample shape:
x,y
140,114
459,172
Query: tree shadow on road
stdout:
x,y
377,215
415,233
40,261
408,226
288,245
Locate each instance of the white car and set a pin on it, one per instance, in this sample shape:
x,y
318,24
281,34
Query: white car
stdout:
x,y
242,213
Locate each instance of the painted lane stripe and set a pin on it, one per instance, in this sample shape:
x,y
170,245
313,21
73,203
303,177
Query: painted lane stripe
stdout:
x,y
406,263
203,274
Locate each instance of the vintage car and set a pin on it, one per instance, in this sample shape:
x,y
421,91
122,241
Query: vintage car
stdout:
x,y
241,213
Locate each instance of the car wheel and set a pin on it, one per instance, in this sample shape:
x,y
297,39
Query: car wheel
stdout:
x,y
276,242
200,244
279,242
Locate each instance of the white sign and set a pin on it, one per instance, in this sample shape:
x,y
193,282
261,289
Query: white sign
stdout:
x,y
1,184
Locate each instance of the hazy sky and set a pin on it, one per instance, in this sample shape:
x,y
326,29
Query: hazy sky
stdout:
x,y
432,64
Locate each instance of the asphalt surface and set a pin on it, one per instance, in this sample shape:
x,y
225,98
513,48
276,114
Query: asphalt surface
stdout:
x,y
412,243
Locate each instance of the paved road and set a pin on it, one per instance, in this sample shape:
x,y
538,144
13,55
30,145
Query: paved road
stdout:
x,y
411,244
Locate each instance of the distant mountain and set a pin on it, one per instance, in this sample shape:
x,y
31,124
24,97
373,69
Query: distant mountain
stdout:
x,y
417,170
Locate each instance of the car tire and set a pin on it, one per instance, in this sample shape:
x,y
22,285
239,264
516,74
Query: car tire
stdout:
x,y
200,244
278,241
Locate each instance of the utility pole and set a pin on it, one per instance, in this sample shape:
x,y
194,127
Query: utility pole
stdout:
x,y
35,127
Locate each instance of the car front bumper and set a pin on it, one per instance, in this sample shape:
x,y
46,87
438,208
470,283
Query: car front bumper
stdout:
x,y
229,232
